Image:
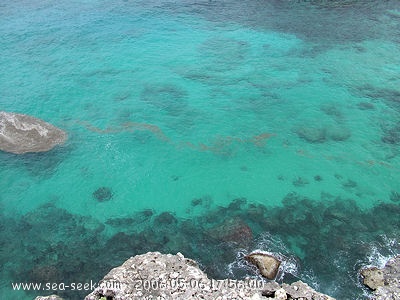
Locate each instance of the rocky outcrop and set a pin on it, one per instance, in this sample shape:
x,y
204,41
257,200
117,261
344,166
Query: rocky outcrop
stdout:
x,y
384,282
22,134
267,264
164,276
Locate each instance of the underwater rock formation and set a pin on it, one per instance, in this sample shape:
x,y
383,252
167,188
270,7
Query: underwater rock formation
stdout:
x,y
232,230
338,133
165,276
324,238
22,134
391,134
322,134
312,134
385,282
103,194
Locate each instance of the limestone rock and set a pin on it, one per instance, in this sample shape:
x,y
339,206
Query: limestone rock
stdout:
x,y
373,277
385,281
267,264
51,297
164,276
22,134
300,290
280,294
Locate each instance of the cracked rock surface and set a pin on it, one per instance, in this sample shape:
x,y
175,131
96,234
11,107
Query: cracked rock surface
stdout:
x,y
165,276
384,282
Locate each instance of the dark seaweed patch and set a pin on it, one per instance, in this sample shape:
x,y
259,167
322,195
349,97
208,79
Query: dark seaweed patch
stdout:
x,y
327,238
168,97
390,96
331,21
391,134
103,194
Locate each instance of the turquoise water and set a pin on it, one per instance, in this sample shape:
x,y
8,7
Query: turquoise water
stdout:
x,y
167,102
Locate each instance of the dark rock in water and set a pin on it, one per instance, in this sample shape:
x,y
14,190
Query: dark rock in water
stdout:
x,y
165,218
119,222
365,106
312,134
331,109
197,201
232,230
349,184
48,273
395,196
267,264
299,181
237,203
392,134
338,134
147,213
22,134
317,178
377,92
103,194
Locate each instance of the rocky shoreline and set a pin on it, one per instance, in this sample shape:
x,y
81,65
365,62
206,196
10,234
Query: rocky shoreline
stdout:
x,y
384,282
165,276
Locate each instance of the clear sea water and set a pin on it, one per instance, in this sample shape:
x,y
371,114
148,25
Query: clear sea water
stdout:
x,y
169,101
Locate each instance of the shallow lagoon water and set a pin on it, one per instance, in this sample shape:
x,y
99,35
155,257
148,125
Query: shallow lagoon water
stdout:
x,y
167,102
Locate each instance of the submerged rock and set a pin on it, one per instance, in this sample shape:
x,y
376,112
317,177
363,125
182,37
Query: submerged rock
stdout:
x,y
267,264
232,230
22,134
312,134
338,133
103,194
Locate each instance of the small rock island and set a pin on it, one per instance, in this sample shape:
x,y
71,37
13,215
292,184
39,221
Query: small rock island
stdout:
x,y
21,134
